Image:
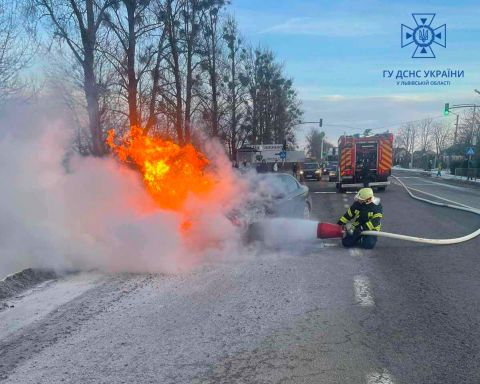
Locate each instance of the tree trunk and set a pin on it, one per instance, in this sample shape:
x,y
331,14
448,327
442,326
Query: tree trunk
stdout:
x,y
188,92
233,127
90,83
213,76
176,73
91,94
132,79
152,119
178,97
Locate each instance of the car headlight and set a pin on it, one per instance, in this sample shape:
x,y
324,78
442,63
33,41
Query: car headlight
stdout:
x,y
301,172
317,171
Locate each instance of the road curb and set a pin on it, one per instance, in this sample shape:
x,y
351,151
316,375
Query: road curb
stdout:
x,y
452,181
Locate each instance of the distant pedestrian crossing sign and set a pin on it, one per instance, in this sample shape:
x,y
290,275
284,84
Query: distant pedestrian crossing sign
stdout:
x,y
470,151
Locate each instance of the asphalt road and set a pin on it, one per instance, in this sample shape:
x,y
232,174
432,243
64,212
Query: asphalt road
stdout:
x,y
311,312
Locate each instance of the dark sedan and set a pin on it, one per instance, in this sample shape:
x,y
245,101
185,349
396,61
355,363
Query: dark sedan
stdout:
x,y
273,195
288,198
311,171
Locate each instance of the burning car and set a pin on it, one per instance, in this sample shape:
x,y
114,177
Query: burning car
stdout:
x,y
273,195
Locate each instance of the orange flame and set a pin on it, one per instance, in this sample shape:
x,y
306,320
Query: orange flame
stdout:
x,y
170,172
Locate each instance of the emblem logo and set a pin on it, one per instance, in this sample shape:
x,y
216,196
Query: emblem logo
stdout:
x,y
424,35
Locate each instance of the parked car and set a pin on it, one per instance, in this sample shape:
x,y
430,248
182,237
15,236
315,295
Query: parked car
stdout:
x,y
310,171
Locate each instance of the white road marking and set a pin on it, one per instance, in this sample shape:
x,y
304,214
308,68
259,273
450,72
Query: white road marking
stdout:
x,y
380,378
331,244
355,252
363,292
424,184
324,192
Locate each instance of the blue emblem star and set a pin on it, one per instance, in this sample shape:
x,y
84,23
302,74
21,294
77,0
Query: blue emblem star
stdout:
x,y
423,35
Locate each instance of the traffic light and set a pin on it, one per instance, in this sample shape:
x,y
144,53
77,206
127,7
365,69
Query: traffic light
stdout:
x,y
320,123
446,111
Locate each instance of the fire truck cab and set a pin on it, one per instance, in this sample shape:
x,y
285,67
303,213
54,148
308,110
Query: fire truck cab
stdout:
x,y
356,153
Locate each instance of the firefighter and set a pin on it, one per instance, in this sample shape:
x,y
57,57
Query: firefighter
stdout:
x,y
364,215
365,172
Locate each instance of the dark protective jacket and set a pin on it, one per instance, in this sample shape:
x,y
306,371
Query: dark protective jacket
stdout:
x,y
366,217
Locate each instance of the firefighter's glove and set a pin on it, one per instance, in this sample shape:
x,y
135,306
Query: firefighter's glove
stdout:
x,y
349,229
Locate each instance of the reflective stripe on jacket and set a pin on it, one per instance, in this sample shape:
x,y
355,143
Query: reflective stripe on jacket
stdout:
x,y
365,216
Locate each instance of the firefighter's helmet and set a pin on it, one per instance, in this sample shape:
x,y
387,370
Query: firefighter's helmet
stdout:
x,y
364,195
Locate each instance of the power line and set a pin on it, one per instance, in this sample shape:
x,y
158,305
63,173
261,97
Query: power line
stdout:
x,y
384,126
406,122
381,127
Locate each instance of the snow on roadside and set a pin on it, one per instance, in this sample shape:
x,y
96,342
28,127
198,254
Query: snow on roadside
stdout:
x,y
35,303
444,175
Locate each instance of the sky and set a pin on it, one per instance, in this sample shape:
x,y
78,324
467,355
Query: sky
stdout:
x,y
336,52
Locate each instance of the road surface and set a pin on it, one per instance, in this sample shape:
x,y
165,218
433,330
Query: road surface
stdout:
x,y
309,313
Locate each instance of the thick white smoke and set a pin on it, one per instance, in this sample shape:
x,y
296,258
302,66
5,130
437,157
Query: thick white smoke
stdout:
x,y
86,212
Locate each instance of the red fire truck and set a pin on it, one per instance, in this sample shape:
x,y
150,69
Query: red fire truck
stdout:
x,y
364,161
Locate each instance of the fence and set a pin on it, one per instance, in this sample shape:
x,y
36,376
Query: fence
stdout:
x,y
468,173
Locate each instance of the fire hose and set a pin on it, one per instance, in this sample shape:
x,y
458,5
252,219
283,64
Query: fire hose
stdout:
x,y
422,239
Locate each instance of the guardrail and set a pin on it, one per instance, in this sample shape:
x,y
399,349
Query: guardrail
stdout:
x,y
468,173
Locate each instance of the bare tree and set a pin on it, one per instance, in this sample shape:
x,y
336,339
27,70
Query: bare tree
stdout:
x,y
181,20
314,144
211,52
425,136
425,140
134,53
77,23
190,28
408,138
15,50
237,93
469,127
442,138
167,66
172,11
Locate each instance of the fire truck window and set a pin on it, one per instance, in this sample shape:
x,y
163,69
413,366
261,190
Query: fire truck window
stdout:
x,y
367,154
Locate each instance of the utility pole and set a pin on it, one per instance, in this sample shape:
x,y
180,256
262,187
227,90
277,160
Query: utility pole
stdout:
x,y
456,130
321,148
454,141
474,120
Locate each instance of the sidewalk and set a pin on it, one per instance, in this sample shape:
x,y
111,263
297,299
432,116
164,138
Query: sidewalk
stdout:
x,y
445,175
